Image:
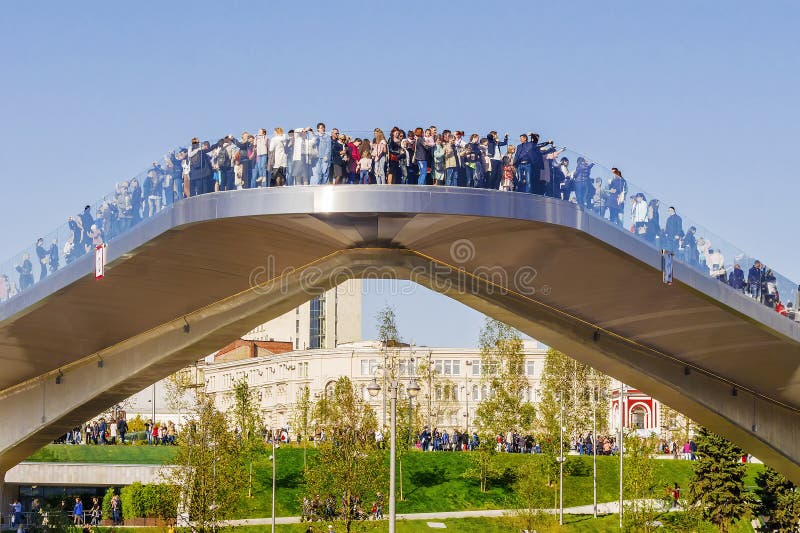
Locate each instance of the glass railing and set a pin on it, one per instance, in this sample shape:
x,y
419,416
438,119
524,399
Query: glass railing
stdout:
x,y
231,164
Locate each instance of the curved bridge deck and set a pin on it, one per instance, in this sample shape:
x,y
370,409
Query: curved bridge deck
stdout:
x,y
211,267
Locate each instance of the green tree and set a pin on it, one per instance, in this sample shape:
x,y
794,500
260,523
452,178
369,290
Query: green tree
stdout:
x,y
532,494
348,466
484,464
248,419
107,503
779,501
639,484
718,480
580,386
503,371
301,416
209,467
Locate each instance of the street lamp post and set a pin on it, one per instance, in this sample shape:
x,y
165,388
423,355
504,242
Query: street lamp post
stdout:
x,y
621,446
412,389
274,460
561,462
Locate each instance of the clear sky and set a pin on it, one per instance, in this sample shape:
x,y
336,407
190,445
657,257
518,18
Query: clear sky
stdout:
x,y
695,101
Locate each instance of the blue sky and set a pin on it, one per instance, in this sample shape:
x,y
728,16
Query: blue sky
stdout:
x,y
696,102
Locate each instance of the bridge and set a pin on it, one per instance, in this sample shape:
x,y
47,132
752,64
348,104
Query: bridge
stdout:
x,y
210,268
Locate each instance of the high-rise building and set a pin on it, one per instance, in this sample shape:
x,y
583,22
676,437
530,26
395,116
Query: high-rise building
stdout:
x,y
325,321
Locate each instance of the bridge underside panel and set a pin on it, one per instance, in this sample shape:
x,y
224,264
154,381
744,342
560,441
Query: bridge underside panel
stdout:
x,y
578,284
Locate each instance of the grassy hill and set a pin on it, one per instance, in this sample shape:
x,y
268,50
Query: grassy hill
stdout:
x,y
432,482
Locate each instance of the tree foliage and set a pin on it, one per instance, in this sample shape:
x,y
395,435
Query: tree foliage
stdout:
x,y
348,467
533,494
503,370
210,467
581,387
779,501
301,417
484,464
639,484
718,480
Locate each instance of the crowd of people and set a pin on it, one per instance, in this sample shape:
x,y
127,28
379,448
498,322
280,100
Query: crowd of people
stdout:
x,y
115,431
329,508
306,156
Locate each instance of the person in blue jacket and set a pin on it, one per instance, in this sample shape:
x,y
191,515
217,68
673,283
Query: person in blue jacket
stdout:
x,y
736,278
77,512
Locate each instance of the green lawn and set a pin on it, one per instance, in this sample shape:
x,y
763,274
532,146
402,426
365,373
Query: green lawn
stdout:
x,y
432,482
142,455
577,524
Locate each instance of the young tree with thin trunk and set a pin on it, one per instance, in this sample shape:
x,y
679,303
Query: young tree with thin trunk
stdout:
x,y
348,466
503,370
302,418
248,419
209,467
639,484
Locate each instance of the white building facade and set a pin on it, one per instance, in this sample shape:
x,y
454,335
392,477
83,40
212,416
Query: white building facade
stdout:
x,y
448,399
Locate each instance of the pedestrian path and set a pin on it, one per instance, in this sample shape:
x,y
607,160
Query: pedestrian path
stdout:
x,y
602,508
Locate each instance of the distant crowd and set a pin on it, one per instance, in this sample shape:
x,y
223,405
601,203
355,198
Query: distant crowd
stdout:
x,y
116,431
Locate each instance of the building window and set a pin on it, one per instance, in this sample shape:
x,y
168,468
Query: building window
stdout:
x,y
529,367
447,367
369,367
317,322
476,367
638,417
475,394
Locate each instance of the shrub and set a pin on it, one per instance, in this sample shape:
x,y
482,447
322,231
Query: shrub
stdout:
x,y
106,506
148,501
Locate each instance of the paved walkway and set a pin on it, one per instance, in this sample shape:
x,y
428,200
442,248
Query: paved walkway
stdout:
x,y
602,508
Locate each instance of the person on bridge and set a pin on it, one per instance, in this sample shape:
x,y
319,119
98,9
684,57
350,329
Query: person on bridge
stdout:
x,y
716,264
754,279
736,279
322,162
673,231
44,258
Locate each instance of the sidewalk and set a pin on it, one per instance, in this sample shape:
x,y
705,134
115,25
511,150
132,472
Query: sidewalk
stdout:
x,y
602,508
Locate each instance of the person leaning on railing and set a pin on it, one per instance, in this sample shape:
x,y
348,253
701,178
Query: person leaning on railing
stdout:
x,y
259,161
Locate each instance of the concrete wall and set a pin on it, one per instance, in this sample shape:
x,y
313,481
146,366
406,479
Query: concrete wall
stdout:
x,y
85,474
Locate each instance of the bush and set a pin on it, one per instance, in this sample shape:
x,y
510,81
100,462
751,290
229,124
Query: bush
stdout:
x,y
136,424
131,501
148,501
106,506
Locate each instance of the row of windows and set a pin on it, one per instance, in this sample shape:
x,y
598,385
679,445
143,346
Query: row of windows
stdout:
x,y
442,367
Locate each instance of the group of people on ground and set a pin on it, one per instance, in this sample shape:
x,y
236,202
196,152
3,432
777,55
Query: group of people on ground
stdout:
x,y
317,508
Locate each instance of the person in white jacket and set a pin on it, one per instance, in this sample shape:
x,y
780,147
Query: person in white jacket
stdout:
x,y
277,156
639,214
716,264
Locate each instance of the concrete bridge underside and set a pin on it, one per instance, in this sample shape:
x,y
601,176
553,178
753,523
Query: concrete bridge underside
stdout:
x,y
210,269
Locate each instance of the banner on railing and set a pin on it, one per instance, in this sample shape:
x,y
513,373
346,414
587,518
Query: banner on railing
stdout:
x,y
100,261
666,266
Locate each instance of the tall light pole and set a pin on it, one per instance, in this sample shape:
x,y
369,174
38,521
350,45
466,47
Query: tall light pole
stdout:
x,y
561,462
274,460
594,449
412,389
621,446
